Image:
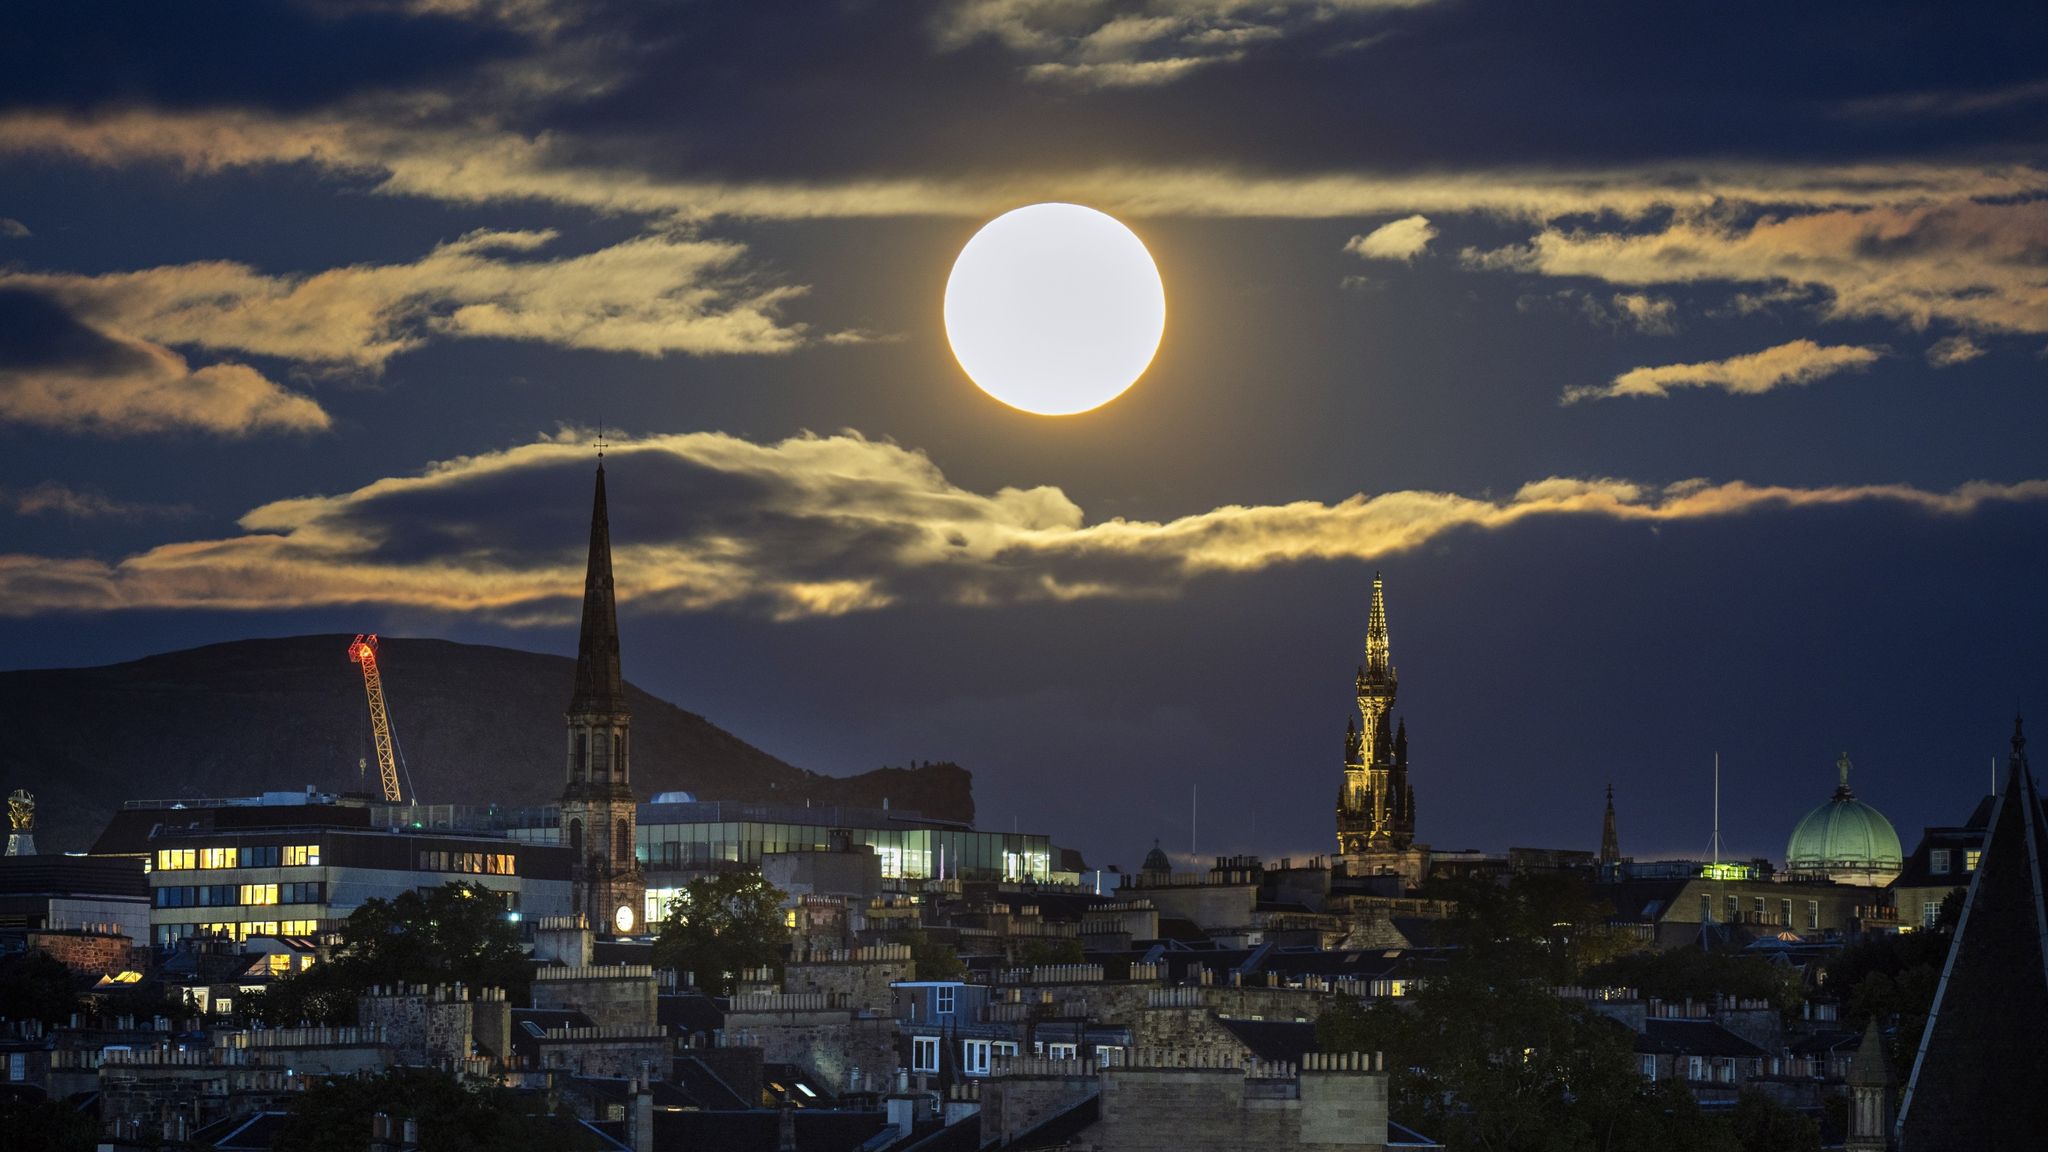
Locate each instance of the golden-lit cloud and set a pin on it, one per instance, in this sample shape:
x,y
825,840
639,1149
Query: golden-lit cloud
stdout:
x,y
1953,350
1402,239
1103,43
398,155
810,526
651,295
1980,264
132,387
1796,362
52,498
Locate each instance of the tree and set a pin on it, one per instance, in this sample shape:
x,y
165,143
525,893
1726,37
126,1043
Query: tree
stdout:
x,y
1059,950
333,1115
1693,974
934,959
454,933
35,986
720,925
1764,1125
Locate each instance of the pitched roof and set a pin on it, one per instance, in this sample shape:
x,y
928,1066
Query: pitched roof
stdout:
x,y
1276,1040
1665,1036
1984,1035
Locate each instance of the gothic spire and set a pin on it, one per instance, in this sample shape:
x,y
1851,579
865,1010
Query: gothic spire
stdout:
x,y
599,687
1378,661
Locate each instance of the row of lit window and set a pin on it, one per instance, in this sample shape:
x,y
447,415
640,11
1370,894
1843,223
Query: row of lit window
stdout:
x,y
261,856
220,895
475,863
237,929
1938,860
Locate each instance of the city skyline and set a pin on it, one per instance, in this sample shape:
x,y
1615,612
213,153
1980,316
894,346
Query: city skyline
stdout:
x,y
1681,390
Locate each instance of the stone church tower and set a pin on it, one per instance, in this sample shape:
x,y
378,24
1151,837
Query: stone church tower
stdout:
x,y
1376,806
598,808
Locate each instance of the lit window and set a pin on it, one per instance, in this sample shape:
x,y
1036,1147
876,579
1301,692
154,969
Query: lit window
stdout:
x,y
217,857
176,859
301,855
924,1054
223,1006
259,894
279,963
1970,858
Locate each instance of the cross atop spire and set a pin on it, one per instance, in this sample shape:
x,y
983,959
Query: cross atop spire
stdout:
x,y
1378,658
599,686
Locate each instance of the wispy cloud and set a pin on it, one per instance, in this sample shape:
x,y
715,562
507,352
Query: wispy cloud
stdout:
x,y
1953,350
1104,43
1797,362
13,229
477,165
809,526
651,295
1979,264
57,371
53,498
1403,239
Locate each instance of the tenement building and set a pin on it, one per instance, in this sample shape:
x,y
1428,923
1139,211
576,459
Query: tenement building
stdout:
x,y
1376,804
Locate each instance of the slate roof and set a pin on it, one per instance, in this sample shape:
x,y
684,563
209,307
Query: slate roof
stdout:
x,y
1975,1080
759,1130
1276,1040
704,1086
1668,1037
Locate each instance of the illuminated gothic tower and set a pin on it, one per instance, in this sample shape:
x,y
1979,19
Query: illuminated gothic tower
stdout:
x,y
597,804
1376,807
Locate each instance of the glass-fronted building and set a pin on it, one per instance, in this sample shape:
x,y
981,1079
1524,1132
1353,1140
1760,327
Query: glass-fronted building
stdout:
x,y
701,835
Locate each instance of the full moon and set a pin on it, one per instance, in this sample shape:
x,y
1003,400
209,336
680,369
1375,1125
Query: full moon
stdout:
x,y
1055,308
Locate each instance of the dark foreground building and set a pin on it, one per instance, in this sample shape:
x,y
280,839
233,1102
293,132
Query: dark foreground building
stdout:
x,y
1974,1085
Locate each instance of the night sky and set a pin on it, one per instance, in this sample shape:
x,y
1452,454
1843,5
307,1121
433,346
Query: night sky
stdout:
x,y
1681,369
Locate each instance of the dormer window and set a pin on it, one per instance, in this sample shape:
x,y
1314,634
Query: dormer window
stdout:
x,y
944,998
1937,861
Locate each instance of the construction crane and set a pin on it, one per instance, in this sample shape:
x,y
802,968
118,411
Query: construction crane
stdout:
x,y
363,650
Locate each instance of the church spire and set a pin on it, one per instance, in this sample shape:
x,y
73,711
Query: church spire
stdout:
x,y
1378,660
1610,839
599,687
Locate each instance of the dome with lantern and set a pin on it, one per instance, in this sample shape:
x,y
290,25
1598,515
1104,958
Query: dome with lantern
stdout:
x,y
1845,840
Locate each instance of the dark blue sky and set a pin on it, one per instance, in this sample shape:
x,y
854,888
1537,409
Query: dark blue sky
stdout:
x,y
307,313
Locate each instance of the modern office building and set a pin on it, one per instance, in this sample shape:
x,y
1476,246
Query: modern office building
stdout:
x,y
294,864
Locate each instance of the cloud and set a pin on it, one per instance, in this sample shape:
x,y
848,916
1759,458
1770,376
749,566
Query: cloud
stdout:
x,y
1978,264
1953,350
804,527
400,156
1657,315
59,372
52,498
13,229
1798,362
1403,239
651,295
1100,43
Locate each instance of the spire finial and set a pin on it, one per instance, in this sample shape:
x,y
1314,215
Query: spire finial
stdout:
x,y
2019,734
1378,658
1842,765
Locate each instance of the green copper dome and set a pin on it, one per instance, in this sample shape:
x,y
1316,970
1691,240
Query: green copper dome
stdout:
x,y
1845,838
